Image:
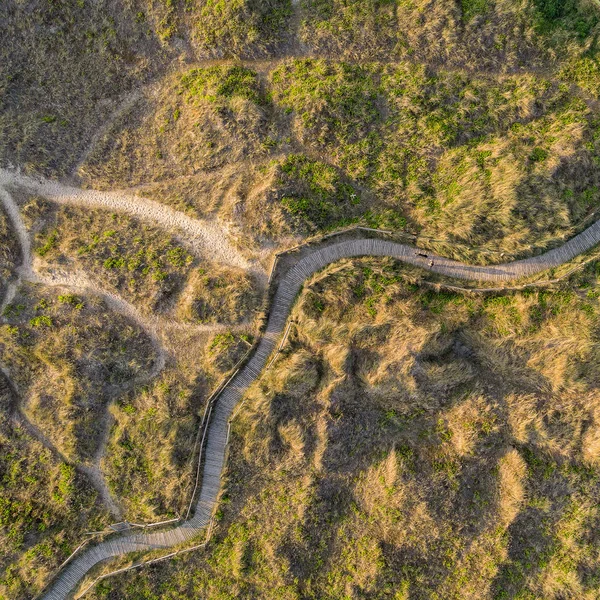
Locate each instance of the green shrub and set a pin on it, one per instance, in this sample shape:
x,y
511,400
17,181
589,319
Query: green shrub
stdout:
x,y
538,155
41,320
471,8
50,243
574,16
315,194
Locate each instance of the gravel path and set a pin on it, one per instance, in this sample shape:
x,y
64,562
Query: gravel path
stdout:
x,y
285,296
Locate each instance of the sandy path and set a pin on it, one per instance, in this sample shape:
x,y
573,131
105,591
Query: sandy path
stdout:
x,y
209,238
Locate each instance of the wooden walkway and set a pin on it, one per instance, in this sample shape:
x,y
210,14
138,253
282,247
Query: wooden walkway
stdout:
x,y
230,396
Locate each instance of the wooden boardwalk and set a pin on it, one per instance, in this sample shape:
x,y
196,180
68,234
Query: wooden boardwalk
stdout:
x,y
281,305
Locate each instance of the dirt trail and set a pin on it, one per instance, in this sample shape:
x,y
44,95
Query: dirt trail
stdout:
x,y
209,238
93,473
156,329
127,102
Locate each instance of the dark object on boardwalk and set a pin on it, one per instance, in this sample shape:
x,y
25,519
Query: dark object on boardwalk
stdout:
x,y
421,254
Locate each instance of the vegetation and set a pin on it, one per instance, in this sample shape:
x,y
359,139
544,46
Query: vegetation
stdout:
x,y
318,197
145,266
498,34
67,359
203,119
45,506
149,461
409,443
9,250
138,261
241,27
218,84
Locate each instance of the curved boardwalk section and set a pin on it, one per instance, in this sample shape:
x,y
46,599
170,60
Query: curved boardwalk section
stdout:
x,y
281,306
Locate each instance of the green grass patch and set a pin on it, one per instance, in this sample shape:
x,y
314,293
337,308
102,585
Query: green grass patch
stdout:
x,y
314,193
217,84
471,8
242,27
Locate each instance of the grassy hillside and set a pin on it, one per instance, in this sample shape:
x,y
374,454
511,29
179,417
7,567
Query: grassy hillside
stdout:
x,y
149,461
45,508
67,359
498,162
67,65
409,444
486,34
144,265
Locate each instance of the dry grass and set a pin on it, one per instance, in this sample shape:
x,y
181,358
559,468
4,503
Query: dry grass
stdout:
x,y
195,121
148,462
9,251
68,360
218,295
407,444
63,70
45,506
144,265
499,162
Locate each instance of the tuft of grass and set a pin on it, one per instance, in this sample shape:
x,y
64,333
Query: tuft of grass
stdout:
x,y
218,295
471,8
216,84
241,27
